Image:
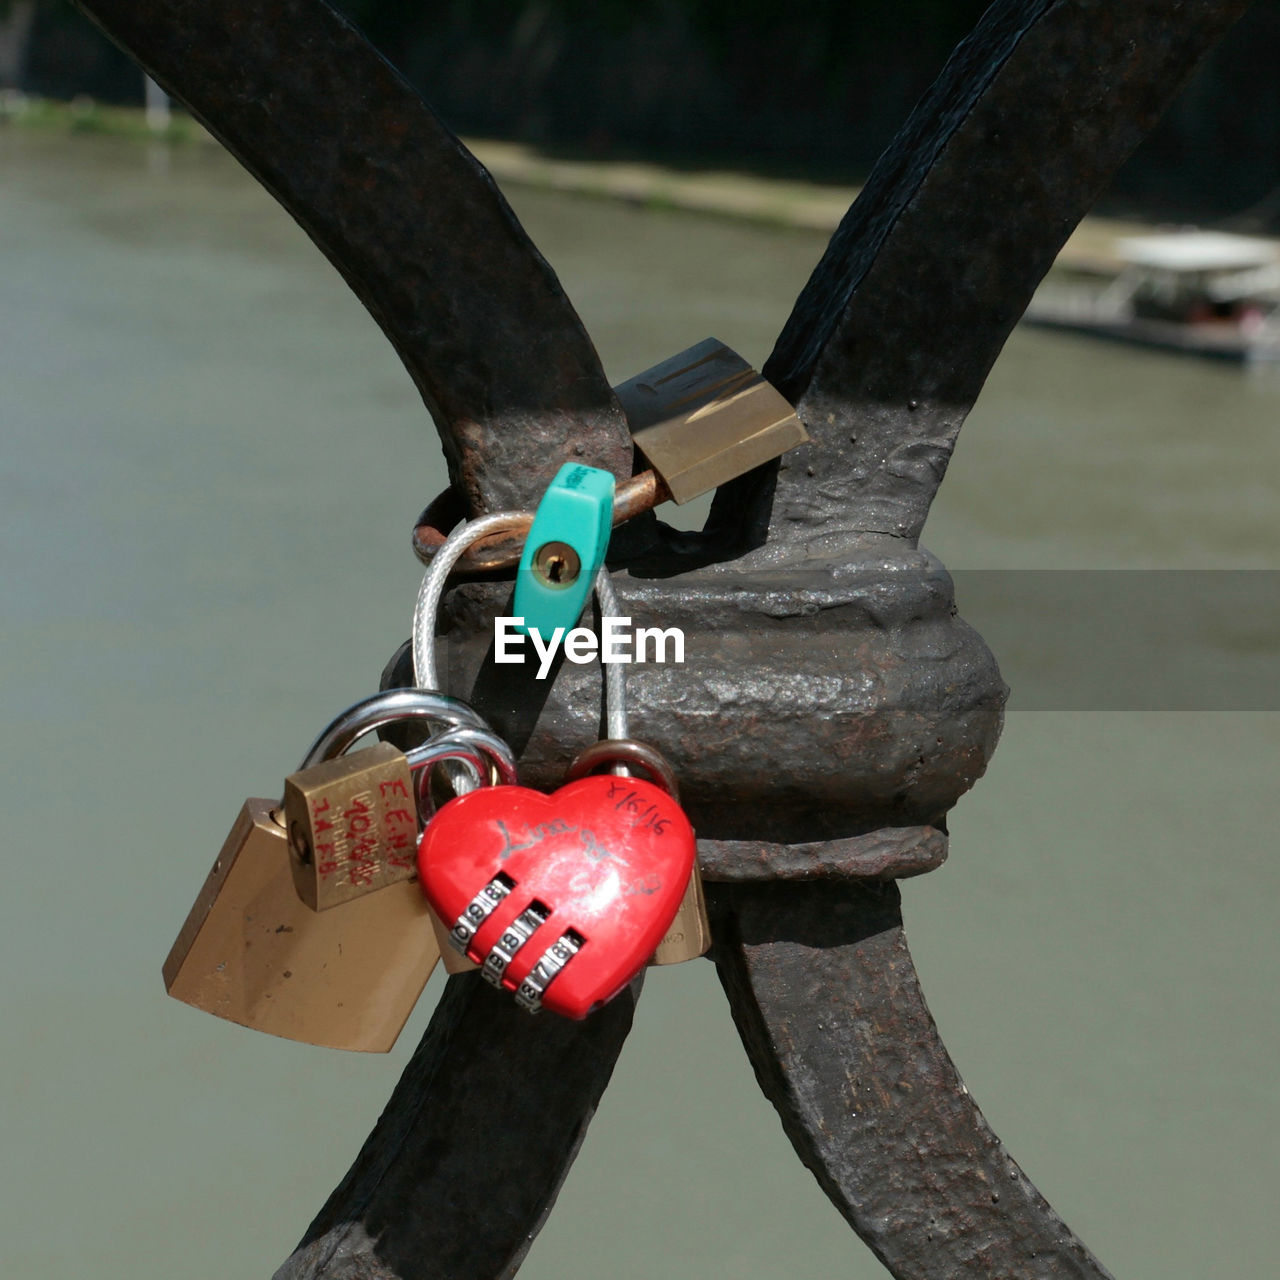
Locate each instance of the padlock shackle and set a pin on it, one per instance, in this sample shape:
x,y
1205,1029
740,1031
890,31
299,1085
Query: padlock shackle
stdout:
x,y
490,747
481,749
627,751
389,707
451,551
503,550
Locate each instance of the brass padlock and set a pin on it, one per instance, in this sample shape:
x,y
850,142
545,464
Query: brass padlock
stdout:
x,y
352,824
352,819
252,952
700,419
690,933
704,417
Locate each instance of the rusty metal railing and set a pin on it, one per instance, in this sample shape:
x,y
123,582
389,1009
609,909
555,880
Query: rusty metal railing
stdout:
x,y
814,569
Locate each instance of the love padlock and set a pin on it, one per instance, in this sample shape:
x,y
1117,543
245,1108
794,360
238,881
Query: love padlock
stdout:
x,y
560,898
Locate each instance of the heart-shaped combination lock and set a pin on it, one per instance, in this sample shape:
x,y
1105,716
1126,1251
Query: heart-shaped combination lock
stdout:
x,y
561,898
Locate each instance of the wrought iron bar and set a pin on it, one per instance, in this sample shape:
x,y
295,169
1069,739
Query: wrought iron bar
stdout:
x,y
827,1002
884,353
410,218
895,333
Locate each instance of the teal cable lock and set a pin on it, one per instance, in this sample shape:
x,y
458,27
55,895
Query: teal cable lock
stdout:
x,y
564,550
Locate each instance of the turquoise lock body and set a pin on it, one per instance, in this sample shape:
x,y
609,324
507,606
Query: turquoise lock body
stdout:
x,y
564,550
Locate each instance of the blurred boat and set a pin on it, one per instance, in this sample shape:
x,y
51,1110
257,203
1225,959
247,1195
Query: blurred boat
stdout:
x,y
1206,293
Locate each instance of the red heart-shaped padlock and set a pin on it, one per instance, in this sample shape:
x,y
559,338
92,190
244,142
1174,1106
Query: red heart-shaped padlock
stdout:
x,y
561,898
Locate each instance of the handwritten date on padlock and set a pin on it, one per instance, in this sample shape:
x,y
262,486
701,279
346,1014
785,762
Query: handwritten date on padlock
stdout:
x,y
605,859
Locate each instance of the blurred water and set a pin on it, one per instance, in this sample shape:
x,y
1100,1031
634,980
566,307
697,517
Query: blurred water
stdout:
x,y
187,390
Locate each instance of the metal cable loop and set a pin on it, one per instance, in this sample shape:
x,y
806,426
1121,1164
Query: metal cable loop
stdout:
x,y
425,672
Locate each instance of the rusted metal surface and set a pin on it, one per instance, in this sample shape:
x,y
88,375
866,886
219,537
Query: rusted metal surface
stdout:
x,y
891,853
466,1160
832,707
828,1005
895,333
884,354
813,704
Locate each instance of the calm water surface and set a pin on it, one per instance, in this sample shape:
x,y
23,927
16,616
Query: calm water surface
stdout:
x,y
211,461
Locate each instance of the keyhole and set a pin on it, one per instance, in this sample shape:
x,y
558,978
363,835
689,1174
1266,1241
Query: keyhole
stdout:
x,y
557,564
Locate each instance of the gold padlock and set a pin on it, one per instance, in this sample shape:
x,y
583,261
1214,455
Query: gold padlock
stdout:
x,y
352,820
700,418
252,952
704,417
352,824
690,933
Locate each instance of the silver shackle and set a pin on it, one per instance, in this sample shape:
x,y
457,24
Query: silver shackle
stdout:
x,y
467,739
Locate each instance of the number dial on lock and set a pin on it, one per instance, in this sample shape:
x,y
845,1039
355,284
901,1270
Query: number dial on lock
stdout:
x,y
604,862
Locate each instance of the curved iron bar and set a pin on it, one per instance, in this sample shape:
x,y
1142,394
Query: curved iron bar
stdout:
x,y
827,1002
884,354
410,218
885,351
892,339
465,1162
423,237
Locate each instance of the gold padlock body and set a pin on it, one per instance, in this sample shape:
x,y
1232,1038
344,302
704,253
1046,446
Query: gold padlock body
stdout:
x,y
705,416
690,933
353,826
688,937
252,952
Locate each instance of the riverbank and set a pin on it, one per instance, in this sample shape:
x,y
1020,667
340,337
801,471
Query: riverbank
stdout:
x,y
758,198
748,196
86,115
